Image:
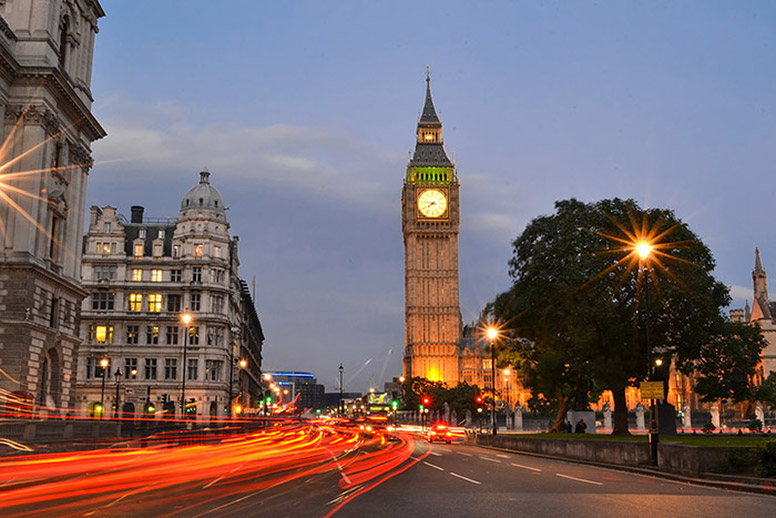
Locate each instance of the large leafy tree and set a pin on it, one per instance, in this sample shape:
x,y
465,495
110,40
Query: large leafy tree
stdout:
x,y
578,297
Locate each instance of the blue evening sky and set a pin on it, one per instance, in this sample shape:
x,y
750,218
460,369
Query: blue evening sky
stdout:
x,y
304,112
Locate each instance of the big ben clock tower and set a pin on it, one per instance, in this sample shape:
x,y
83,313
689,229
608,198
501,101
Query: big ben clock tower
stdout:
x,y
430,221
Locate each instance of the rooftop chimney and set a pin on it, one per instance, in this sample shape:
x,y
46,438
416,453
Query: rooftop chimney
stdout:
x,y
137,214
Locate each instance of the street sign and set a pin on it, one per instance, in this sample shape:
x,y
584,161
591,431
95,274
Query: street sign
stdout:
x,y
652,390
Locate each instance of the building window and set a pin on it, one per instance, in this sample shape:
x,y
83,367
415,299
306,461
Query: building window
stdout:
x,y
138,251
172,335
173,303
150,368
106,248
216,276
95,370
175,276
213,370
194,335
170,368
141,233
152,335
216,304
196,274
106,228
130,368
101,334
54,243
215,336
157,250
156,275
102,301
89,367
198,249
176,250
192,370
195,301
154,302
104,272
160,234
133,332
135,302
137,274
217,251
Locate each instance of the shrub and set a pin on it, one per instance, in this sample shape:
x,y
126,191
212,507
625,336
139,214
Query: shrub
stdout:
x,y
756,425
764,456
708,428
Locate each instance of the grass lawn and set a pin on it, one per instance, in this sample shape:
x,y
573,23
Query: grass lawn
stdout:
x,y
687,439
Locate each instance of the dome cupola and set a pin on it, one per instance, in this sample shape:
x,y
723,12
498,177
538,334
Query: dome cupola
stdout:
x,y
203,196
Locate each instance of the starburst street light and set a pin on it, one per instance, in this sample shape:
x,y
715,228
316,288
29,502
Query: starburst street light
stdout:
x,y
492,332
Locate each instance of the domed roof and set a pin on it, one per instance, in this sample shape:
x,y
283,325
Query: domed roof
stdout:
x,y
203,196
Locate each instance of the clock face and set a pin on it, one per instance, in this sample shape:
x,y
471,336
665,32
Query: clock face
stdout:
x,y
432,203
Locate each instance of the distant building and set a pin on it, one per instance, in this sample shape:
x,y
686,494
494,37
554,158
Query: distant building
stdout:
x,y
301,387
46,51
142,275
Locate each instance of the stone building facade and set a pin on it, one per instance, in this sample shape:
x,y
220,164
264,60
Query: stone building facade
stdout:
x,y
142,276
46,51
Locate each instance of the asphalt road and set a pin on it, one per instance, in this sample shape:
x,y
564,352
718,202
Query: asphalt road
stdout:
x,y
469,481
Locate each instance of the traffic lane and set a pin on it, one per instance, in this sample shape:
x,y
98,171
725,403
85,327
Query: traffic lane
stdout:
x,y
465,480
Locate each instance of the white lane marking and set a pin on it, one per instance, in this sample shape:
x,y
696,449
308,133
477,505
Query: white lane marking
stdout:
x,y
213,482
339,466
525,467
501,455
491,460
467,479
464,454
580,479
433,466
435,454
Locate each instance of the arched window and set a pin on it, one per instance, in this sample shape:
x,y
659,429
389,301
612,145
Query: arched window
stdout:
x,y
64,26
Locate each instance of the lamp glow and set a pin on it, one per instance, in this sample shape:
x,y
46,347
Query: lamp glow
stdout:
x,y
644,249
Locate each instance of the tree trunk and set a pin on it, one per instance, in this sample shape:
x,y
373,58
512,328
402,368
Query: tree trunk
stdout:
x,y
620,425
559,426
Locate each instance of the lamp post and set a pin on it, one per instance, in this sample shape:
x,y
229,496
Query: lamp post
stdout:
x,y
342,390
492,334
104,364
118,380
235,330
644,250
186,318
507,372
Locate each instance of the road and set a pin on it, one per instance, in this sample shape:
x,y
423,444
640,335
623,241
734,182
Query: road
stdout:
x,y
301,470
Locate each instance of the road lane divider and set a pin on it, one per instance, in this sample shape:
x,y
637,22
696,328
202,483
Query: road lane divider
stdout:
x,y
490,459
525,467
503,456
467,479
580,479
464,454
433,466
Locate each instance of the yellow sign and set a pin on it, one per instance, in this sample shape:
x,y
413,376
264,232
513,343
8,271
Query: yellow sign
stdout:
x,y
652,390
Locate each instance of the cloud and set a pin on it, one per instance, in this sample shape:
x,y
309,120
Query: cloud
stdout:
x,y
740,295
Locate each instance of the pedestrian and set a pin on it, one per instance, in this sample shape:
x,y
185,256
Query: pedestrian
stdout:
x,y
581,426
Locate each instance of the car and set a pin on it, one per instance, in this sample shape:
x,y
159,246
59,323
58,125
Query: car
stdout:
x,y
440,432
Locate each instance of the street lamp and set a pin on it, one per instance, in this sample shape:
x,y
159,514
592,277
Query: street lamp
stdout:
x,y
186,318
492,334
507,372
235,330
118,380
342,389
104,364
644,250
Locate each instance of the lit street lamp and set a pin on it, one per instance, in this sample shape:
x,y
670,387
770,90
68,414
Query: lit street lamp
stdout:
x,y
644,250
492,334
104,364
342,390
507,372
186,318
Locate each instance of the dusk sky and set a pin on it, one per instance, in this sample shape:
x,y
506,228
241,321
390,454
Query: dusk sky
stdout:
x,y
304,112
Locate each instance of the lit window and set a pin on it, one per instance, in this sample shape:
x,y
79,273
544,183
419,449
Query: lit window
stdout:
x,y
155,303
106,248
217,251
152,335
156,275
103,334
135,302
132,333
138,251
428,137
137,274
176,251
198,249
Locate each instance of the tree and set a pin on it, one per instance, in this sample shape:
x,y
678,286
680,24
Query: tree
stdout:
x,y
577,294
766,392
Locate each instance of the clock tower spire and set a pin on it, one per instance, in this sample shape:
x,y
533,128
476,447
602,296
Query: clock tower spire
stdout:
x,y
430,222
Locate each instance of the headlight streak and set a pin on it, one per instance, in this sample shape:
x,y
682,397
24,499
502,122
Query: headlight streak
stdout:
x,y
76,483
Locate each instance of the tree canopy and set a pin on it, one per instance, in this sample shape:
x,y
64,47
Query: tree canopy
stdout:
x,y
575,312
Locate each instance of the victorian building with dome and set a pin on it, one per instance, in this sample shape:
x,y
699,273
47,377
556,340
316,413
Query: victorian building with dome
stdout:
x,y
168,324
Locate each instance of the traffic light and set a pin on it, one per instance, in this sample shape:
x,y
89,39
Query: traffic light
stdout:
x,y
165,398
426,401
478,399
394,404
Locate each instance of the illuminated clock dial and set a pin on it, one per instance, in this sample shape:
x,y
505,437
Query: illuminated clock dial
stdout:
x,y
432,203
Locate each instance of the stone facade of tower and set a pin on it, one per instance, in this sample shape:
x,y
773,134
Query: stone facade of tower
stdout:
x,y
142,275
430,223
46,50
763,312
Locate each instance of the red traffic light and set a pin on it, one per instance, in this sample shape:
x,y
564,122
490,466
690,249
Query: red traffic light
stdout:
x,y
478,399
426,400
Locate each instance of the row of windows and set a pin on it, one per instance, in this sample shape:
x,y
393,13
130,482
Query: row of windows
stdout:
x,y
138,249
102,334
153,302
151,369
108,272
